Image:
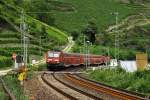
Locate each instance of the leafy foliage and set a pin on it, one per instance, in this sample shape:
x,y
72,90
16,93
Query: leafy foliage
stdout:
x,y
14,85
102,50
5,61
90,31
138,81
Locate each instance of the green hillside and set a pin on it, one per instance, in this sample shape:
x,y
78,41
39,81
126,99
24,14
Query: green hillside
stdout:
x,y
98,11
10,34
133,21
72,16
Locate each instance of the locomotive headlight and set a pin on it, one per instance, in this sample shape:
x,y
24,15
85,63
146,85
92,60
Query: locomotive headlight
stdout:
x,y
49,59
56,60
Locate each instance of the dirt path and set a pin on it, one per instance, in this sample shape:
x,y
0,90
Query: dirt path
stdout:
x,y
70,45
4,72
129,23
36,90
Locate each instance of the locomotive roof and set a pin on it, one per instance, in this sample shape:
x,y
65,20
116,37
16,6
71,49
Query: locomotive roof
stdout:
x,y
75,53
81,54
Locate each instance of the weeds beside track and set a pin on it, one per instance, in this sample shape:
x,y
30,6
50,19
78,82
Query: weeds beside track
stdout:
x,y
104,88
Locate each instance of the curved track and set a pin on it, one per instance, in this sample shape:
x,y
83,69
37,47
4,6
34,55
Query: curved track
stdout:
x,y
65,89
11,96
122,94
76,89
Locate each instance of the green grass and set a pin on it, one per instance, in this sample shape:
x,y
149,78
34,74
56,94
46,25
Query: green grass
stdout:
x,y
36,25
42,67
98,11
3,95
5,61
7,33
52,32
10,36
13,84
137,81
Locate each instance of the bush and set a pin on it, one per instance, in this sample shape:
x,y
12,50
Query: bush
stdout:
x,y
138,81
5,62
42,67
101,50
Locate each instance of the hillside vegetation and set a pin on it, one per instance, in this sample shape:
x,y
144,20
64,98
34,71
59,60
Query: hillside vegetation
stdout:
x,y
41,36
73,16
133,22
98,11
137,82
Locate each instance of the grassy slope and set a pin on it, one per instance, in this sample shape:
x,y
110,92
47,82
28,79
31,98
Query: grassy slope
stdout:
x,y
10,33
3,95
59,35
97,10
13,84
137,81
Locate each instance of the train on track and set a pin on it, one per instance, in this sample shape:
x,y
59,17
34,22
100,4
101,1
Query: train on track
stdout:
x,y
59,59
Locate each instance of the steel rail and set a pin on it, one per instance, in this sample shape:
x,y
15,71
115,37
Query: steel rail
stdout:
x,y
76,89
98,83
57,89
104,89
12,97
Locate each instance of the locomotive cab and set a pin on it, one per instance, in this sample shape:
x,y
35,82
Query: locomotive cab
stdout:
x,y
53,58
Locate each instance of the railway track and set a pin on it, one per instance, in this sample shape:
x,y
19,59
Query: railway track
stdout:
x,y
101,88
11,96
66,90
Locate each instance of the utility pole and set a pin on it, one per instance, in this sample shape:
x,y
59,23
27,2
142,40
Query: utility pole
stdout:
x,y
80,50
40,44
25,50
23,28
84,48
116,36
87,53
108,52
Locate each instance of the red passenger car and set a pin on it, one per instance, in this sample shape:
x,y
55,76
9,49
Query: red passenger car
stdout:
x,y
61,59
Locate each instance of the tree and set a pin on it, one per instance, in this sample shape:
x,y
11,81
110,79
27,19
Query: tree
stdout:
x,y
42,6
90,31
75,35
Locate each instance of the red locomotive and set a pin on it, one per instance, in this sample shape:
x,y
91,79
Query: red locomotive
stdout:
x,y
61,59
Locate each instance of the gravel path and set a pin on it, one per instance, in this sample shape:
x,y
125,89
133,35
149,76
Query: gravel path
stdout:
x,y
35,88
4,72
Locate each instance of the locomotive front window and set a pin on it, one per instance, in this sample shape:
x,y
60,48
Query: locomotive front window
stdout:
x,y
50,54
56,55
53,54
